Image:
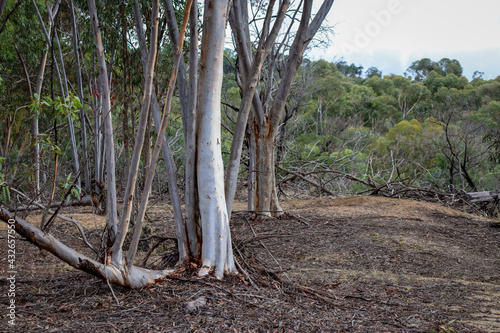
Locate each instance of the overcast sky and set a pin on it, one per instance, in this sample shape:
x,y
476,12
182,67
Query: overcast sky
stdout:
x,y
391,34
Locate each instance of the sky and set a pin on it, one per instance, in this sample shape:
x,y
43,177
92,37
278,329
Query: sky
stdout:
x,y
391,34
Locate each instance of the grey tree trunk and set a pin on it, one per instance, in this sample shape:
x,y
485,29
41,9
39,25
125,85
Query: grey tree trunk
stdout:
x,y
167,154
251,80
111,204
139,141
83,128
181,232
2,6
189,95
35,151
65,93
125,66
193,224
34,121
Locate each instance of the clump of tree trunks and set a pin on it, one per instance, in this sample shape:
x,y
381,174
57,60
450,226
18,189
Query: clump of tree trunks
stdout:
x,y
203,233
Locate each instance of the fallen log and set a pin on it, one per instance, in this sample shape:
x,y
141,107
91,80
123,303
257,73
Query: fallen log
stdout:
x,y
484,196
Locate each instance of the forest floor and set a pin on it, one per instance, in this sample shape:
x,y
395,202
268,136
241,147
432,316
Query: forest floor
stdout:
x,y
356,264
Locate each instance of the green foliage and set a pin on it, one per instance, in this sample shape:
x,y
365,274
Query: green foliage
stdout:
x,y
434,82
65,185
412,147
489,116
4,187
58,109
352,70
489,91
373,72
424,67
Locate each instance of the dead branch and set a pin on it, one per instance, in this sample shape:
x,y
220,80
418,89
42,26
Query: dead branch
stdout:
x,y
37,205
312,182
161,240
484,196
85,201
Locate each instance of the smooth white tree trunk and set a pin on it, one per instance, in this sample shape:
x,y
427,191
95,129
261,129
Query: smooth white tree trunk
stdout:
x,y
217,251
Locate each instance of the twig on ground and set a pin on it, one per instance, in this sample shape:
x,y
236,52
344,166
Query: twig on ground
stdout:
x,y
265,247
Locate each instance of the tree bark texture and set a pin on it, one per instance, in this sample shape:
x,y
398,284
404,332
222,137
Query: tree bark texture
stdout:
x,y
83,128
217,251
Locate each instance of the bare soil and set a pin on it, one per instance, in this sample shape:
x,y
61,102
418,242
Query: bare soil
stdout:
x,y
357,264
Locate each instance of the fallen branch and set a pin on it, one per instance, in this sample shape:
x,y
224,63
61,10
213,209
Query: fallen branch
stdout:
x,y
484,196
37,205
85,201
56,214
312,182
133,277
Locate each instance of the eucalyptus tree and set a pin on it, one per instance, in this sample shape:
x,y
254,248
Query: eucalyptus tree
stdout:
x,y
83,127
423,67
268,100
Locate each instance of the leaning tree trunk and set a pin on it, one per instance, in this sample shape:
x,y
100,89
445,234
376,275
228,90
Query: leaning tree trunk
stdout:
x,y
167,154
111,204
135,277
35,150
187,98
139,141
83,128
216,251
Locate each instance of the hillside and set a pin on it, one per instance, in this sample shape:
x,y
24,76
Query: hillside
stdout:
x,y
356,264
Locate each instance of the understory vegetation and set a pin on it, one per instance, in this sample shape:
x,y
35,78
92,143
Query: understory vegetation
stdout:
x,y
352,132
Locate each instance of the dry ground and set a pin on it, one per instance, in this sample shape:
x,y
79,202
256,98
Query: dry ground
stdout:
x,y
358,264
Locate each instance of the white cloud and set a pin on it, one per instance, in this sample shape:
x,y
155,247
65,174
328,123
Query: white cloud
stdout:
x,y
390,34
